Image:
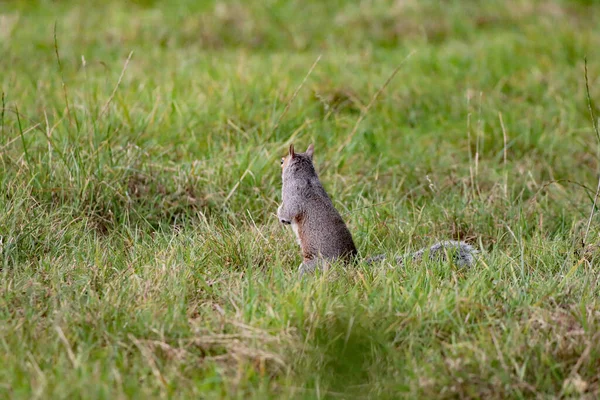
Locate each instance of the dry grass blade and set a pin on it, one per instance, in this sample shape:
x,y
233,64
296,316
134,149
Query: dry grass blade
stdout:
x,y
285,110
589,102
62,79
505,139
237,347
21,135
149,357
65,342
117,85
373,99
595,125
2,113
289,103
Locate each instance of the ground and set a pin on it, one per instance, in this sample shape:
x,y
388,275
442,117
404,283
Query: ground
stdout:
x,y
140,253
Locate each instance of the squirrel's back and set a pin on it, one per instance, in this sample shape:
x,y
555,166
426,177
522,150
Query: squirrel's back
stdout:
x,y
320,229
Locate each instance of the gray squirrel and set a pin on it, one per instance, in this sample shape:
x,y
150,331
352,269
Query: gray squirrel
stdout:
x,y
321,232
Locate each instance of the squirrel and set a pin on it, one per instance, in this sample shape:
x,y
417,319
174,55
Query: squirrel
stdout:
x,y
322,233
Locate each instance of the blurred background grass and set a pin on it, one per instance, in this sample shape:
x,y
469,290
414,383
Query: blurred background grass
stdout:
x,y
139,178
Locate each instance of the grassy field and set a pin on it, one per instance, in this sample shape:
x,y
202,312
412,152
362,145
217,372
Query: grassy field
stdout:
x,y
140,253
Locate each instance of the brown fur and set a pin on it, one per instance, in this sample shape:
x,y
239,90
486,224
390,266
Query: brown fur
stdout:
x,y
320,229
307,253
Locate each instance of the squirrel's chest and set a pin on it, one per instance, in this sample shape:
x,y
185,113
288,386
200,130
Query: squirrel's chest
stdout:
x,y
296,230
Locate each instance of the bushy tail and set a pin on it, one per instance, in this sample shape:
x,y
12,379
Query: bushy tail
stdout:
x,y
463,254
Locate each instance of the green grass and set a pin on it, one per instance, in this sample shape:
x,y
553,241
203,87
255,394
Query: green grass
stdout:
x,y
140,254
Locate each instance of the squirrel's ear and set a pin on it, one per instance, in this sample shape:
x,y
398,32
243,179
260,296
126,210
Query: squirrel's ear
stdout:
x,y
291,152
310,150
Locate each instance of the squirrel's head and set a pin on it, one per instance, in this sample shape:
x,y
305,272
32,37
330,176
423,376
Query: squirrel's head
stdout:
x,y
296,162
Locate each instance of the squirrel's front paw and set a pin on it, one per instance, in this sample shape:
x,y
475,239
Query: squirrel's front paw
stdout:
x,y
281,218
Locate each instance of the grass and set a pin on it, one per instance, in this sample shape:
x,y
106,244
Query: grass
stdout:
x,y
140,255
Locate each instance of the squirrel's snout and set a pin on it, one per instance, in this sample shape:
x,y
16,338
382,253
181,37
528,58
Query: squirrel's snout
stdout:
x,y
284,221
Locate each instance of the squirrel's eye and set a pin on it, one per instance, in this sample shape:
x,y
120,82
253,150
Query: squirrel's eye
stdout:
x,y
282,160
